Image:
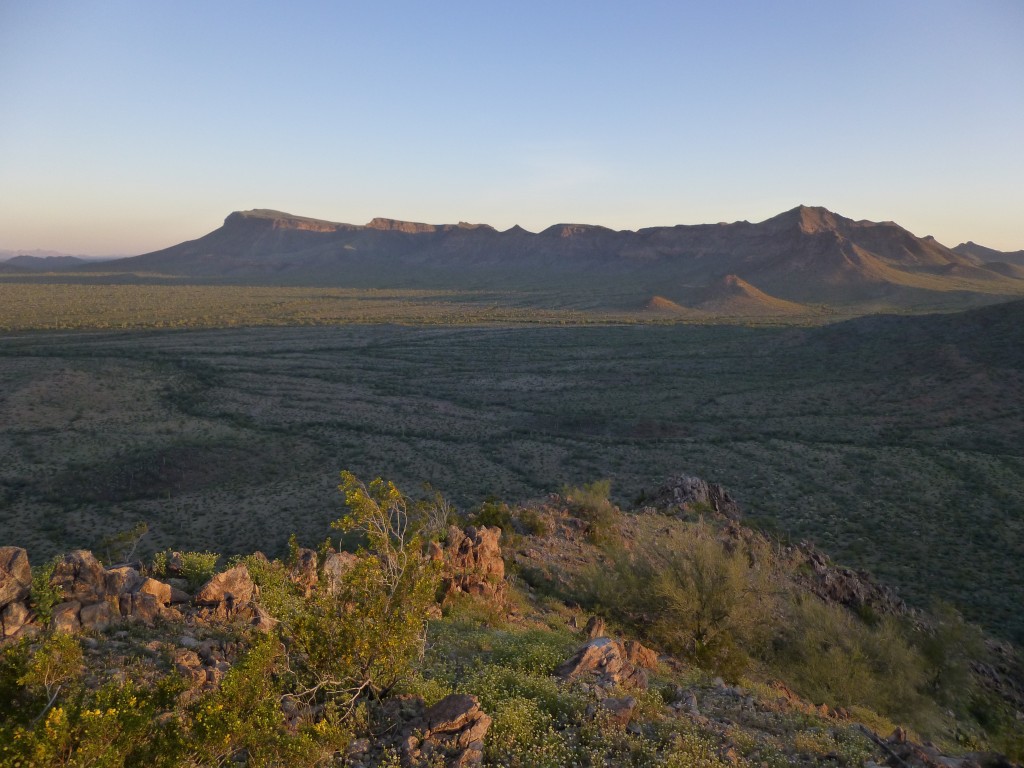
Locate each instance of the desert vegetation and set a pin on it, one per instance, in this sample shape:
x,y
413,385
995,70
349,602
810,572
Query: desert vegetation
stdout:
x,y
356,658
893,443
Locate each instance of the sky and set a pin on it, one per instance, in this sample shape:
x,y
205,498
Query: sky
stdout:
x,y
131,126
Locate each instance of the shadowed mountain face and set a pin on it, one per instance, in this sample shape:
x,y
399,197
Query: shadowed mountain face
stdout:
x,y
26,263
803,255
988,256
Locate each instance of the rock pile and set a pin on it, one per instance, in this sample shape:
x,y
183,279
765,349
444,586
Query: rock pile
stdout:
x,y
96,597
683,495
472,562
450,733
15,581
855,590
607,663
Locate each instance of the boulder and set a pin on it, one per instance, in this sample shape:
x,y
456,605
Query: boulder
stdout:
x,y
15,575
65,617
640,655
81,577
159,590
228,592
604,662
449,733
98,616
596,627
335,567
303,570
473,563
140,606
619,709
122,578
13,617
686,495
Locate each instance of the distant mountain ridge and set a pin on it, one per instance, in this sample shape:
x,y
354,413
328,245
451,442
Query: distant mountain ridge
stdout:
x,y
804,255
985,255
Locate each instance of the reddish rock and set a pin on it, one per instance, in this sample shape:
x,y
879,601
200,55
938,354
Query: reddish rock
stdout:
x,y
335,567
65,617
158,589
81,577
473,562
15,575
303,570
123,578
604,661
140,606
596,627
452,730
619,709
229,591
13,617
640,655
98,616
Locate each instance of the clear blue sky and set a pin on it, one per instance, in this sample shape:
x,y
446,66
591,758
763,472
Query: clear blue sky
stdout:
x,y
130,126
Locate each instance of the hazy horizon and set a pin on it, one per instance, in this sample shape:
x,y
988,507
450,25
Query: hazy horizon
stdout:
x,y
130,128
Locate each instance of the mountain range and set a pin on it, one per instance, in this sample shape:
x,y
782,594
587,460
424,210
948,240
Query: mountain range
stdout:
x,y
792,263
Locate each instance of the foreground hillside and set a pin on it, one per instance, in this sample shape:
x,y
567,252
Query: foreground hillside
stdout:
x,y
561,633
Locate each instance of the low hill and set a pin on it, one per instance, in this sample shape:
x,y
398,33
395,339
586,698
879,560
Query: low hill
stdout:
x,y
805,255
983,255
734,297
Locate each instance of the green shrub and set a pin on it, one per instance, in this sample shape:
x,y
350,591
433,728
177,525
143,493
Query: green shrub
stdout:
x,y
198,568
365,638
532,523
831,656
694,597
493,513
592,504
536,651
43,595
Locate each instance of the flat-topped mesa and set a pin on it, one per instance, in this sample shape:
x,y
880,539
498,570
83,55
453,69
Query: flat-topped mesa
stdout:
x,y
280,220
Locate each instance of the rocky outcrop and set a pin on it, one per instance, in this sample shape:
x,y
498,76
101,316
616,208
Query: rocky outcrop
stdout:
x,y
450,733
603,662
336,565
684,495
105,595
15,575
303,571
229,592
473,563
80,577
855,590
15,586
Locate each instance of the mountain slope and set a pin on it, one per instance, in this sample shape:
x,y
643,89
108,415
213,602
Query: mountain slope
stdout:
x,y
733,296
803,255
983,255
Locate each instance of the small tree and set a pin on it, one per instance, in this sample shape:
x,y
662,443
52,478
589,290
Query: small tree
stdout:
x,y
363,638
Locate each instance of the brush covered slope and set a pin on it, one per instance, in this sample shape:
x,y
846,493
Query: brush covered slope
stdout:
x,y
806,255
564,632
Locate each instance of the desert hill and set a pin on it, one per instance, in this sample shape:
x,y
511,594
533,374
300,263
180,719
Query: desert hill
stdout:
x,y
565,629
734,297
805,255
988,256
